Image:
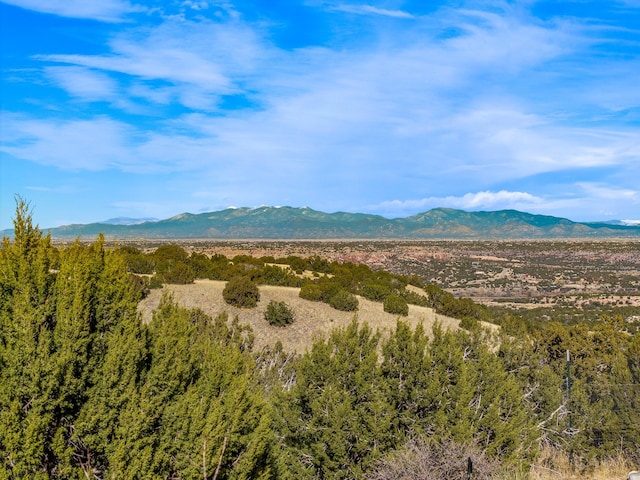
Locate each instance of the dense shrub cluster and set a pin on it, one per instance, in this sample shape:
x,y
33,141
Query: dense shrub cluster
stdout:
x,y
172,264
445,303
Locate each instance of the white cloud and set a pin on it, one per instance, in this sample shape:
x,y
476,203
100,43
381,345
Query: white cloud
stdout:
x,y
462,102
610,192
195,5
371,10
102,10
83,83
489,199
200,60
502,199
92,145
589,202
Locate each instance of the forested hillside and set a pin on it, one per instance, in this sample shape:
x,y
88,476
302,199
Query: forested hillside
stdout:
x,y
87,390
306,223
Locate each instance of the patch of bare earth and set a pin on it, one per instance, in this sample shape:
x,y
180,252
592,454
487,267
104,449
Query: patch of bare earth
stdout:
x,y
313,320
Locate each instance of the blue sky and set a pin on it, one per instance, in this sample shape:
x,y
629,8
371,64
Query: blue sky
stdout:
x,y
148,109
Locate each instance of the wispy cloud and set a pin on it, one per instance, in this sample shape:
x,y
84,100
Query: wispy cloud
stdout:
x,y
604,191
457,101
83,83
371,10
469,201
102,10
200,60
93,145
418,111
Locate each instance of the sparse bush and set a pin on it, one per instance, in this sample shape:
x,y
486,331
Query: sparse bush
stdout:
x,y
419,460
344,301
178,273
311,291
470,324
374,291
241,292
140,285
155,282
396,304
274,275
278,314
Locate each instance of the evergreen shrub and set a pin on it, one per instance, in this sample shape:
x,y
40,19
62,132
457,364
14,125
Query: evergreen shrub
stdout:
x,y
241,292
470,324
278,314
155,282
374,291
396,305
178,273
344,301
311,291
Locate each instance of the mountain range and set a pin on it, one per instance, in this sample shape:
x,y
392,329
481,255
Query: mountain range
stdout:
x,y
306,223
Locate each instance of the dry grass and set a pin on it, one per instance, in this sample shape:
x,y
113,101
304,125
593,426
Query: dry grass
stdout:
x,y
554,465
313,320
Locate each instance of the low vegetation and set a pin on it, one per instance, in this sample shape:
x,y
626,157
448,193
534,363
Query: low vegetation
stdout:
x,y
241,292
89,390
419,459
396,304
279,314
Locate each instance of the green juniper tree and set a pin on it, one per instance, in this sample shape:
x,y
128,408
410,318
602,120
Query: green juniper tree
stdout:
x,y
337,417
405,369
27,317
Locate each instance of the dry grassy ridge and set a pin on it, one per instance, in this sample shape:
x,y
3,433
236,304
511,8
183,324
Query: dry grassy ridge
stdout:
x,y
313,320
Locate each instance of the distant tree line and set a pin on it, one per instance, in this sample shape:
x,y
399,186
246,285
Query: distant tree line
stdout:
x,y
89,391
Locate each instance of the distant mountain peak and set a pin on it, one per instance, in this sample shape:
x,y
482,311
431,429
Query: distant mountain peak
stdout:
x,y
128,221
284,222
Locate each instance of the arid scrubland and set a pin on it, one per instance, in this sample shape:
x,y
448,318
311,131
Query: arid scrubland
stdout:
x,y
201,384
572,280
313,320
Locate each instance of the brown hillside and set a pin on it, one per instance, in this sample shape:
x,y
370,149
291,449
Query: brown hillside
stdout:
x,y
313,319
